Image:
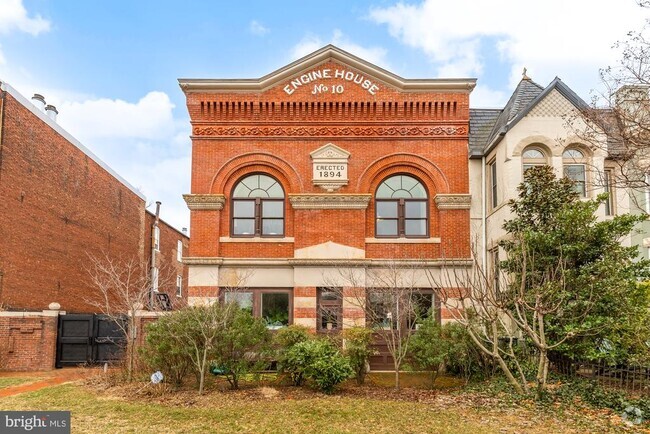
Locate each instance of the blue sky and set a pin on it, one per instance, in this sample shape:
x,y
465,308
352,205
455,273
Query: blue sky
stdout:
x,y
110,67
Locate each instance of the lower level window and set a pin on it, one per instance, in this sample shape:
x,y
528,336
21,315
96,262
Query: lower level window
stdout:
x,y
388,309
330,309
274,306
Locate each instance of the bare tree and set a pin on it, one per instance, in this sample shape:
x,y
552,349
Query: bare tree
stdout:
x,y
473,296
389,294
617,122
123,287
206,323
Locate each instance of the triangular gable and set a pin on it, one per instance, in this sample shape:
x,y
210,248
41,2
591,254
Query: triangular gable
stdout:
x,y
330,151
557,84
335,55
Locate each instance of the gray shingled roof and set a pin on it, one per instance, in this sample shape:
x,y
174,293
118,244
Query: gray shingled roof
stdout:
x,y
481,123
523,99
527,90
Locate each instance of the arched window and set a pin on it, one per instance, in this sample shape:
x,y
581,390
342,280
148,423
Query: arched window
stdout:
x,y
401,208
574,163
533,156
258,207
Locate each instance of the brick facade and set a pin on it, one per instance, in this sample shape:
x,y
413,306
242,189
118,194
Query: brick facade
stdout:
x,y
60,205
166,258
28,340
272,126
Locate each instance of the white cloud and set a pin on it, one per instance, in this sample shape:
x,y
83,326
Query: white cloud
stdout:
x,y
311,43
567,38
149,118
13,16
483,96
164,180
257,28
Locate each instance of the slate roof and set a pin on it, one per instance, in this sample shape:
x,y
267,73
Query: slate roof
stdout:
x,y
521,102
481,123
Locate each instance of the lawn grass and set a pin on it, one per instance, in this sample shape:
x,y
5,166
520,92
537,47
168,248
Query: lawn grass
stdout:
x,y
93,412
13,381
267,404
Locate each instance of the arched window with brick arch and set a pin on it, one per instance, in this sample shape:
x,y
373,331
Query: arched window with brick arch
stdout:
x,y
401,208
257,207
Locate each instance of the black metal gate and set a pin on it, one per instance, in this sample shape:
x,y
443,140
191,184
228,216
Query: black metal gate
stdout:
x,y
87,338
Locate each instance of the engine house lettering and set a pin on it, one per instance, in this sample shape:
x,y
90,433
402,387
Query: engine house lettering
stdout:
x,y
311,78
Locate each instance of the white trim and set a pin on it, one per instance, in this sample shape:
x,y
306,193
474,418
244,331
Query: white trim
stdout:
x,y
326,53
179,285
66,135
647,193
256,240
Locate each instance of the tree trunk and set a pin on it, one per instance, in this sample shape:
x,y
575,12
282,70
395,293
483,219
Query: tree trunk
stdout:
x,y
511,378
396,376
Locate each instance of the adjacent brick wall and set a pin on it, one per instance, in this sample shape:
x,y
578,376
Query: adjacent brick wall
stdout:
x,y
28,340
167,258
58,207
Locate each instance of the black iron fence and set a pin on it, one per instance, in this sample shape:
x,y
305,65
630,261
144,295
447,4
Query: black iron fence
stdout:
x,y
627,377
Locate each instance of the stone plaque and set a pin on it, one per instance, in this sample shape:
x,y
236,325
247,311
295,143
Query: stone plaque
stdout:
x,y
330,167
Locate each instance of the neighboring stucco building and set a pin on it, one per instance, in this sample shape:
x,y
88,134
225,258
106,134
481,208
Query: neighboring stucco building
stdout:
x,y
329,162
538,125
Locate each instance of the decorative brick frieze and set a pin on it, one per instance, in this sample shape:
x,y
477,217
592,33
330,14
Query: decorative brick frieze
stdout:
x,y
330,131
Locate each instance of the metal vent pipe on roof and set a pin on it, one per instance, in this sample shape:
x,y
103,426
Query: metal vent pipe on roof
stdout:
x,y
51,112
39,101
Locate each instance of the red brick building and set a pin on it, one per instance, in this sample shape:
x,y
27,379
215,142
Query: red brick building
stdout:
x,y
327,163
166,247
61,203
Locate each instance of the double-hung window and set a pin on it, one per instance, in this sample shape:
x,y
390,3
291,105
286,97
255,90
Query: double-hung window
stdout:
x,y
575,168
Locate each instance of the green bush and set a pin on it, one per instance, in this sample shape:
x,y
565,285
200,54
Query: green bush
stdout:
x,y
358,349
317,360
449,347
164,350
284,339
242,347
287,337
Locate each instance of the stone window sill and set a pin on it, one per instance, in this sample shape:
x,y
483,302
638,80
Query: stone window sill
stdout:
x,y
402,240
256,240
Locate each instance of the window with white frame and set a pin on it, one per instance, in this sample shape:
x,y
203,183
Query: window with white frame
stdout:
x,y
154,279
647,193
156,238
496,265
179,286
492,173
607,186
533,156
574,163
179,250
